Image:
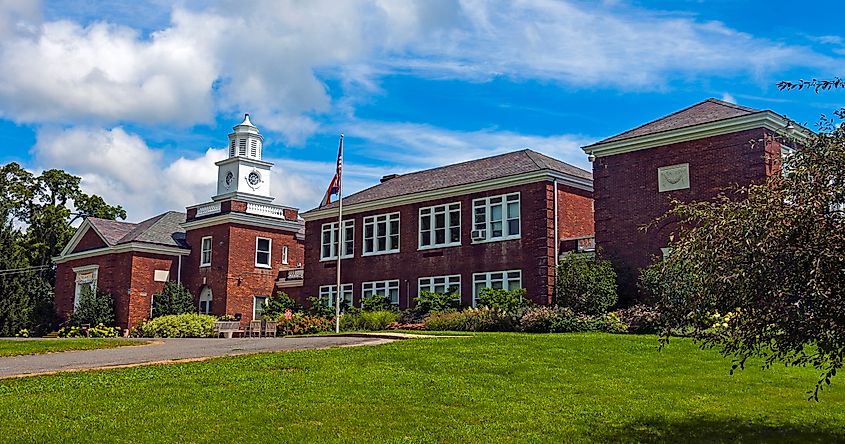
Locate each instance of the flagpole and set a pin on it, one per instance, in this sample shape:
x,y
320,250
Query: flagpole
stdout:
x,y
341,234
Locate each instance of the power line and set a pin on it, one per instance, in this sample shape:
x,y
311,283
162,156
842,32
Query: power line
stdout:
x,y
12,271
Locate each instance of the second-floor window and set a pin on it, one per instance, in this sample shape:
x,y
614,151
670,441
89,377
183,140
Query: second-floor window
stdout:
x,y
330,238
496,218
205,252
381,234
440,226
262,252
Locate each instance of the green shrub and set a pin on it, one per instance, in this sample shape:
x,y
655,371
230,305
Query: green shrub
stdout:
x,y
188,325
368,320
24,333
320,307
97,331
94,307
613,323
471,319
586,284
539,319
641,319
375,302
173,300
275,305
428,301
507,301
303,324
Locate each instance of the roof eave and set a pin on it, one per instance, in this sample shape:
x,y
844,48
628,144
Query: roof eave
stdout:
x,y
763,119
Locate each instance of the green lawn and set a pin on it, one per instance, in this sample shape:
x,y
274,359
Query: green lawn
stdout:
x,y
13,347
488,388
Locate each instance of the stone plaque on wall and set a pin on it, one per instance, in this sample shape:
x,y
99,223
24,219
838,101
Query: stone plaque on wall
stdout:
x,y
161,275
673,177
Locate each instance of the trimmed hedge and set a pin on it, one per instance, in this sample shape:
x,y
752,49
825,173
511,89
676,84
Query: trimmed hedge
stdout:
x,y
368,320
189,325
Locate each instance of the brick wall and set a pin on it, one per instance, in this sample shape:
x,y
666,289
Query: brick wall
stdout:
x,y
627,198
113,276
533,253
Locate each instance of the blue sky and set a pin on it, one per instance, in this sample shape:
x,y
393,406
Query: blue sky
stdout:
x,y
137,97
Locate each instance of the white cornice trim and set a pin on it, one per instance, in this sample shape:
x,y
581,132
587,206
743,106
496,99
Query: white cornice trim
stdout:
x,y
77,236
443,193
763,119
134,247
244,219
245,160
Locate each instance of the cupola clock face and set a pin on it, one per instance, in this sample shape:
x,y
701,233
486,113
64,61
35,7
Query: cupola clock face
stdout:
x,y
253,179
230,177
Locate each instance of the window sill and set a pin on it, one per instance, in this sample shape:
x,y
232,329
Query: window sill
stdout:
x,y
205,265
331,259
379,253
498,239
262,266
439,246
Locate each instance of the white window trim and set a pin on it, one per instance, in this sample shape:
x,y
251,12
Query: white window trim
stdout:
x,y
210,251
285,254
343,289
351,223
255,306
487,280
95,270
430,287
487,220
201,300
269,263
433,246
374,223
387,286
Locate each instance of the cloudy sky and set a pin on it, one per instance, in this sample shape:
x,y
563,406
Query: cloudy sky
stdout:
x,y
137,97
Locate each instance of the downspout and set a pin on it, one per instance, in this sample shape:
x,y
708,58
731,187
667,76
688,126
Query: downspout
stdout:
x,y
557,244
179,271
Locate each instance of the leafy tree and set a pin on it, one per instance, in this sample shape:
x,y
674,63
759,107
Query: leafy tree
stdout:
x,y
767,269
275,305
174,299
586,284
94,307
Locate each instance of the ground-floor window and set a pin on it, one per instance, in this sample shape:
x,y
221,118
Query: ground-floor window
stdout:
x,y
258,307
205,301
329,292
86,279
509,280
388,289
441,284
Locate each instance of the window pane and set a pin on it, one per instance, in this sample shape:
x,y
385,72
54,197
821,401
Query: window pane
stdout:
x,y
368,231
264,244
496,228
454,234
513,227
440,236
394,226
394,242
368,245
496,212
263,258
382,244
425,223
425,239
513,210
439,220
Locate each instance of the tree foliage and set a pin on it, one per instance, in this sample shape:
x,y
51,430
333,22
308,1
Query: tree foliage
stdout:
x,y
764,273
586,284
174,299
93,308
275,306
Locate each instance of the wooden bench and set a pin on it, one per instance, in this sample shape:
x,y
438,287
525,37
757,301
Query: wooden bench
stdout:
x,y
227,328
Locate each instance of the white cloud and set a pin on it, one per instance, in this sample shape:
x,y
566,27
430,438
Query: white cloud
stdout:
x,y
272,57
728,97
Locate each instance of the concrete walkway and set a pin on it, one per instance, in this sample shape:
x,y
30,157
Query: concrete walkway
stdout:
x,y
168,351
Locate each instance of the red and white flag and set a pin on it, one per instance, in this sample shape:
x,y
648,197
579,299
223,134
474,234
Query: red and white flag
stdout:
x,y
334,185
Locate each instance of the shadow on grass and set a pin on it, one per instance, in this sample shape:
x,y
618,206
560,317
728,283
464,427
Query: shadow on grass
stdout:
x,y
737,430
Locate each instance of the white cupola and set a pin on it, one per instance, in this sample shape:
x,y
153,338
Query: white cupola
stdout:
x,y
243,175
245,141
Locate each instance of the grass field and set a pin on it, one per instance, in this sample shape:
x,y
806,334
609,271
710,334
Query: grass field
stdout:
x,y
13,347
488,388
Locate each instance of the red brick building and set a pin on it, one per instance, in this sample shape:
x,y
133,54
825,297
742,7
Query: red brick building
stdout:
x,y
693,154
492,222
231,253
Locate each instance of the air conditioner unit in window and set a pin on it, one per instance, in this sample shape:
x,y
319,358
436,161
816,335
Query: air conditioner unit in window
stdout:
x,y
478,235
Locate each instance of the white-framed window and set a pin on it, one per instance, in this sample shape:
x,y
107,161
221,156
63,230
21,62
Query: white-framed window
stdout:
x,y
382,288
509,280
330,238
86,278
328,292
440,226
258,307
205,301
285,254
205,251
381,234
263,247
441,284
496,218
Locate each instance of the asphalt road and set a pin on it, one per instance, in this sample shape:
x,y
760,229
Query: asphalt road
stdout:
x,y
168,350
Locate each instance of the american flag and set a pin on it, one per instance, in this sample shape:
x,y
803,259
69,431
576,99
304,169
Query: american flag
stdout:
x,y
334,185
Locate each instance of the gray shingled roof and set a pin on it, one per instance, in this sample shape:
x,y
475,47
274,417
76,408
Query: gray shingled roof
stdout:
x,y
164,229
494,167
710,110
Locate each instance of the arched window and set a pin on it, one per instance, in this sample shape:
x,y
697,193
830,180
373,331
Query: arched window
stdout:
x,y
205,301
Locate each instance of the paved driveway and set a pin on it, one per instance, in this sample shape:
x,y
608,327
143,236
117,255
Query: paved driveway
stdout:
x,y
168,350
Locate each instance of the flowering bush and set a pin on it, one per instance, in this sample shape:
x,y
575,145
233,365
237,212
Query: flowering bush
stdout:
x,y
304,324
98,331
471,319
24,333
641,319
188,325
